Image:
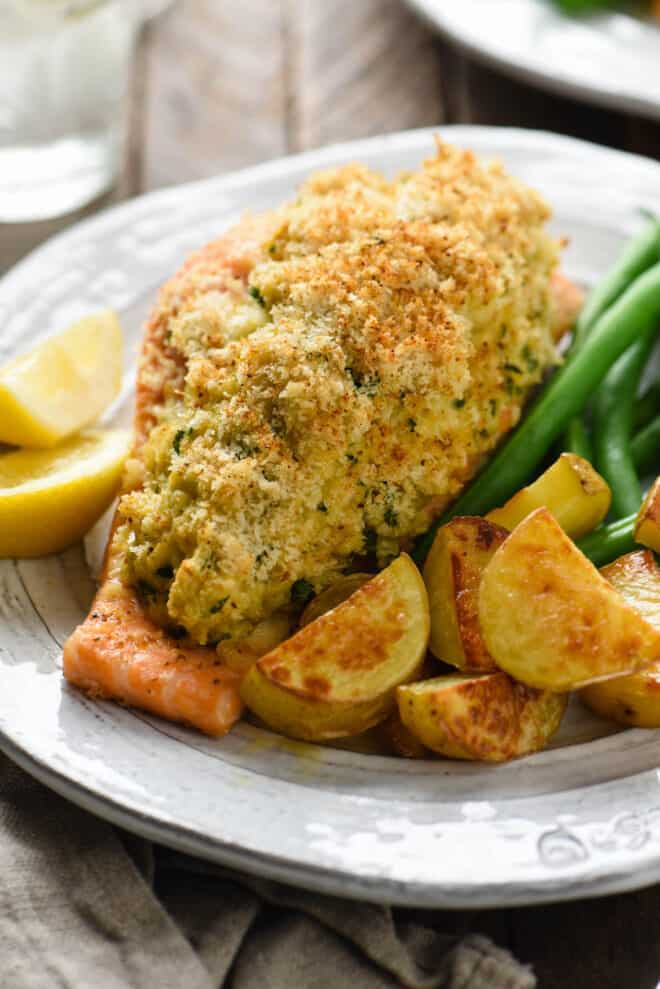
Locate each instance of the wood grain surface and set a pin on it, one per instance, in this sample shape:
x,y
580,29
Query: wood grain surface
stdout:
x,y
219,85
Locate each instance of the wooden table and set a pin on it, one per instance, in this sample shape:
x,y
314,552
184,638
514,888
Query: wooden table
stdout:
x,y
219,84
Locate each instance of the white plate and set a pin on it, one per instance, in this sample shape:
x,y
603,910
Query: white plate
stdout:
x,y
611,59
580,819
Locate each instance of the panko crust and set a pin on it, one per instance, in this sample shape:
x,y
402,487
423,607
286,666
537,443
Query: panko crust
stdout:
x,y
324,379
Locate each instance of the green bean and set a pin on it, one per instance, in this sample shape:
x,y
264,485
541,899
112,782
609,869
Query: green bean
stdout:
x,y
637,256
645,448
605,544
613,418
632,316
577,439
578,7
647,406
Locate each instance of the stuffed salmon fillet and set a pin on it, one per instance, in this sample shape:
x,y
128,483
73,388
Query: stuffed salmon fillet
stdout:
x,y
315,385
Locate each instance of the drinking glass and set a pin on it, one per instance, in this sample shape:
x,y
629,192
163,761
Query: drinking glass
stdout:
x,y
64,77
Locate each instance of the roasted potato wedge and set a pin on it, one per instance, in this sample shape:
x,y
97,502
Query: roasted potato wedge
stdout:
x,y
488,717
337,675
575,493
635,699
332,596
305,719
551,620
647,526
452,574
636,576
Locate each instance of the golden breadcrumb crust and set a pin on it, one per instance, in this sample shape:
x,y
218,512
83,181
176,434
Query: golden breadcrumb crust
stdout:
x,y
321,381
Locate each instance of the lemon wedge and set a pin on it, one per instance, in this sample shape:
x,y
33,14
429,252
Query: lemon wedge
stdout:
x,y
63,383
50,498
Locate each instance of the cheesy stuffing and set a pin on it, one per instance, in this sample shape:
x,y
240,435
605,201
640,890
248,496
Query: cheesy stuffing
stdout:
x,y
329,395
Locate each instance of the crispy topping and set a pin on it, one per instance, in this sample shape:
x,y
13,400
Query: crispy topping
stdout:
x,y
332,384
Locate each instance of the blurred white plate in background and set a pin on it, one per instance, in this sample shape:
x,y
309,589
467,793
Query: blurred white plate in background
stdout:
x,y
611,59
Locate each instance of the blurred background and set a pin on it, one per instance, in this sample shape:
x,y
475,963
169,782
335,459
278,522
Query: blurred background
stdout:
x,y
199,87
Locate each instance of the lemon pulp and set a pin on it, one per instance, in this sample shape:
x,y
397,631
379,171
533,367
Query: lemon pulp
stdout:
x,y
50,498
63,383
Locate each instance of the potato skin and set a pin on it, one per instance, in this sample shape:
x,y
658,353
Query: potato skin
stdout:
x,y
490,717
452,574
338,674
551,620
635,699
309,719
647,526
571,489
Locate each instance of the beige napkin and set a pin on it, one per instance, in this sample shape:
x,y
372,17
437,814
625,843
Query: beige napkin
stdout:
x,y
83,905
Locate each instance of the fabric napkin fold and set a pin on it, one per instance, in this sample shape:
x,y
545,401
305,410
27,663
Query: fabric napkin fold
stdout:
x,y
85,905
